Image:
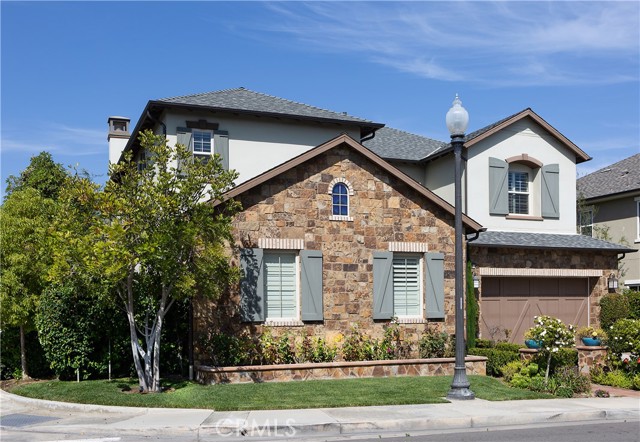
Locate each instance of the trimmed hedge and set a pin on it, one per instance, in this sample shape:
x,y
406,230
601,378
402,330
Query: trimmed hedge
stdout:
x,y
613,306
634,304
496,358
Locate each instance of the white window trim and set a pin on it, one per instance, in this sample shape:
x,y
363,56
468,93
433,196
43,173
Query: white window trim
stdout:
x,y
295,320
637,200
409,319
528,193
193,140
350,193
580,219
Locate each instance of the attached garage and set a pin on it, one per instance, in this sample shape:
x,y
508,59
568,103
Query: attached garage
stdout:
x,y
509,304
524,274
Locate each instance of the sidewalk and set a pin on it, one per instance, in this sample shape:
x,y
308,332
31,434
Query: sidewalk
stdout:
x,y
18,412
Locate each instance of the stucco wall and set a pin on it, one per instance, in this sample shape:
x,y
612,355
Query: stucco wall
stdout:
x,y
618,220
297,205
258,144
523,137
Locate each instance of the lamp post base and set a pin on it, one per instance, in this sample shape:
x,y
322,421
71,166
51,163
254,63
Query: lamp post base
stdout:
x,y
462,393
460,386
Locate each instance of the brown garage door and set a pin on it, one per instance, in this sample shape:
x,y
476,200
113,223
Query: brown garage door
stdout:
x,y
509,304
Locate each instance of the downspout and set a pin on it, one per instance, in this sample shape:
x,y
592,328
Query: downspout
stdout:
x,y
371,136
622,257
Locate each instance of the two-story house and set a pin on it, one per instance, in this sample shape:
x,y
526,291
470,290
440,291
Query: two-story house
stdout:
x,y
518,183
348,222
609,208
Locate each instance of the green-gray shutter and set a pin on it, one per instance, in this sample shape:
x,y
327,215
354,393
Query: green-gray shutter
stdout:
x,y
551,191
252,299
221,147
382,285
434,293
184,137
311,285
498,187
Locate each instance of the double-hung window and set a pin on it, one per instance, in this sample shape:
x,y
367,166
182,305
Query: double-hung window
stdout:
x,y
201,140
518,192
281,285
407,285
586,221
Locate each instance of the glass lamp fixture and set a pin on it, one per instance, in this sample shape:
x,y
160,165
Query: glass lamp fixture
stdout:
x,y
457,118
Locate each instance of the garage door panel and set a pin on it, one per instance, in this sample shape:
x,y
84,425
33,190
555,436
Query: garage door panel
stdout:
x,y
545,287
501,309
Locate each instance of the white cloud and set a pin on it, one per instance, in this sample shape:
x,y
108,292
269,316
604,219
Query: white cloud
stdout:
x,y
55,138
495,43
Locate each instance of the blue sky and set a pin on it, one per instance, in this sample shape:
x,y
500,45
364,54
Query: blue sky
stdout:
x,y
67,66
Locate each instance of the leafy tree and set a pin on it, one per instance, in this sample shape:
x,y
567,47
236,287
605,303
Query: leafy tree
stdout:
x,y
42,174
25,217
151,238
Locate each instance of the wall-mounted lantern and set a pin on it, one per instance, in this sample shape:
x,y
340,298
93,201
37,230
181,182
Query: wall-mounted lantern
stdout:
x,y
612,283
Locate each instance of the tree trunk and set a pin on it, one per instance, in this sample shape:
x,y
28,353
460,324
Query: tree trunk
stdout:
x,y
23,354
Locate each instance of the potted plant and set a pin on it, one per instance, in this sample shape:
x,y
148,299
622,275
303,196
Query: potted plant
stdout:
x,y
591,336
529,340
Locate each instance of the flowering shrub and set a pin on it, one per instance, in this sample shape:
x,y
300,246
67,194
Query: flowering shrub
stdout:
x,y
552,334
624,337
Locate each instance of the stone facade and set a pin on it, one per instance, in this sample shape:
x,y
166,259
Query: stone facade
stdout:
x,y
296,205
589,357
338,370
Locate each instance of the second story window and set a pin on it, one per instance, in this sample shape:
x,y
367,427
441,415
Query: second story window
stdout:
x,y
585,217
340,199
518,192
201,140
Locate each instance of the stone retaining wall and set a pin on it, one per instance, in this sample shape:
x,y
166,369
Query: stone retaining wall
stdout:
x,y
337,370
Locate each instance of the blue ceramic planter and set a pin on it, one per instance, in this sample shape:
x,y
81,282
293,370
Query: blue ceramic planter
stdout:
x,y
591,342
532,343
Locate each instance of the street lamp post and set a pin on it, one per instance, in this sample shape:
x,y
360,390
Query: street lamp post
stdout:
x,y
457,120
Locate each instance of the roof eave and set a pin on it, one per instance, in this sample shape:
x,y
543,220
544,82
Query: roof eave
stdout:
x,y
524,246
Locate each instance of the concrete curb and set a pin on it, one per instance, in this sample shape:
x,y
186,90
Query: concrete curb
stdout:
x,y
333,421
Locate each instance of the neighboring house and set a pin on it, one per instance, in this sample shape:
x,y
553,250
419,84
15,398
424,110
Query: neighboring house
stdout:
x,y
349,222
609,208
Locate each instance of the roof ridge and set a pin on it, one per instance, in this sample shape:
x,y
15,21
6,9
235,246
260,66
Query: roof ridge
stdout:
x,y
262,94
610,167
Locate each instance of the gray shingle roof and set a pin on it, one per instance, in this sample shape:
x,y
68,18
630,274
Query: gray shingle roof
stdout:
x,y
396,144
623,176
487,128
246,100
525,240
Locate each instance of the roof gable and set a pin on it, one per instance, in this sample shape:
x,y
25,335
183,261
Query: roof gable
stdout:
x,y
345,140
487,131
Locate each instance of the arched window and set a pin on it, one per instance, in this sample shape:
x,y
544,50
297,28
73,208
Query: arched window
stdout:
x,y
340,199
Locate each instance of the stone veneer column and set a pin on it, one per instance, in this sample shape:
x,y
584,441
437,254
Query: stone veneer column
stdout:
x,y
588,356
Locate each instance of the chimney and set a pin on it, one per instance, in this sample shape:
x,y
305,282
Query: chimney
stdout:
x,y
118,137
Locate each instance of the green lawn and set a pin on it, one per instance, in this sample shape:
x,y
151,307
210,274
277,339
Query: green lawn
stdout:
x,y
264,396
